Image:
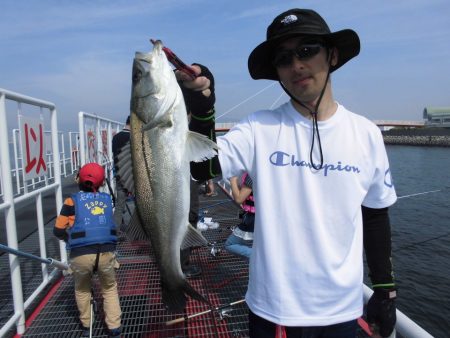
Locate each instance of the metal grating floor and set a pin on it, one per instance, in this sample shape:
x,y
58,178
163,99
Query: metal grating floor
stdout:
x,y
224,280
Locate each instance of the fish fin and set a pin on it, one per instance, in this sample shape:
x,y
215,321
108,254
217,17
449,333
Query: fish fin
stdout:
x,y
135,231
175,298
125,168
193,237
199,147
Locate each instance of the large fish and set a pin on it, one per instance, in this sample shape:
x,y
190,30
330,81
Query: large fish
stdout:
x,y
161,147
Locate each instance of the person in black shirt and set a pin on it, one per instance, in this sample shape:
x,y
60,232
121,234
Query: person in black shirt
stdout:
x,y
199,97
118,141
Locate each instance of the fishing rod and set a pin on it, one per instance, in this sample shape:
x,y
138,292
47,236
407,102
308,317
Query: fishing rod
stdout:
x,y
222,310
215,204
111,191
419,193
49,261
248,99
422,242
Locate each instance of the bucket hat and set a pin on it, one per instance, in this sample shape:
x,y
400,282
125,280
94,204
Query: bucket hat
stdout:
x,y
300,22
92,172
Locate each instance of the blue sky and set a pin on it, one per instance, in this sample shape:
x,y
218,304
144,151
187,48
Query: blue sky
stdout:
x,y
78,54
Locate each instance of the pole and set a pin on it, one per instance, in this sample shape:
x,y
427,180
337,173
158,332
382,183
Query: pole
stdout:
x,y
49,261
182,319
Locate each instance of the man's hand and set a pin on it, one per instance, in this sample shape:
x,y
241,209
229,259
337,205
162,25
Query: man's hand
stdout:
x,y
381,310
200,83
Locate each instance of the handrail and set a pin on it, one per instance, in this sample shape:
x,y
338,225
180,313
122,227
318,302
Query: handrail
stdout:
x,y
405,326
49,261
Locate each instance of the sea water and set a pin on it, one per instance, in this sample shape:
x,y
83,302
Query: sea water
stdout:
x,y
421,234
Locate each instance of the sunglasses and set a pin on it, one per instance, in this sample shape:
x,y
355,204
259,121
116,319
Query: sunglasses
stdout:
x,y
304,51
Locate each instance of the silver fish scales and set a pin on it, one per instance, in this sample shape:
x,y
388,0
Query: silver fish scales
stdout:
x,y
161,147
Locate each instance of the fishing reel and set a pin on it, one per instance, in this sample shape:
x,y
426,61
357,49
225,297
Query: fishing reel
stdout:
x,y
215,251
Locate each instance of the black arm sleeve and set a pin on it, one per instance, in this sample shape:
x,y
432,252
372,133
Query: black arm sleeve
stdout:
x,y
377,246
203,122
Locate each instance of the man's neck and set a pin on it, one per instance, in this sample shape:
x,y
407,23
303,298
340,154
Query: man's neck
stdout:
x,y
327,108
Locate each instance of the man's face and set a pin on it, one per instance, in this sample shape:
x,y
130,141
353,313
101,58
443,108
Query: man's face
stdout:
x,y
302,67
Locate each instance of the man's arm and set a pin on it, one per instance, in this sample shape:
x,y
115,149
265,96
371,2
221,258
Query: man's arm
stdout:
x,y
377,245
381,309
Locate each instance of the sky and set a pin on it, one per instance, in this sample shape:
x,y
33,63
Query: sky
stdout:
x,y
79,54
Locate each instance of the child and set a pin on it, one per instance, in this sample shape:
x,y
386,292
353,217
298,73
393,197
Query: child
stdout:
x,y
87,226
241,240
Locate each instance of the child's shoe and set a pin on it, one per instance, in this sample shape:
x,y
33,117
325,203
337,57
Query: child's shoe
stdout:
x,y
115,333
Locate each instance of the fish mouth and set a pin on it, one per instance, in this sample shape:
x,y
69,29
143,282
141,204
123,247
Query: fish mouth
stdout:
x,y
158,45
148,57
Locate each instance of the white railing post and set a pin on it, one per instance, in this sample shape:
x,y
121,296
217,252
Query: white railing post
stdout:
x,y
10,217
16,159
82,139
57,172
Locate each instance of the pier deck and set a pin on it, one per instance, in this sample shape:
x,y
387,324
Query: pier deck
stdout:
x,y
223,281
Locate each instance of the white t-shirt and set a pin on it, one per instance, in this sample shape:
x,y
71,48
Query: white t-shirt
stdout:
x,y
306,267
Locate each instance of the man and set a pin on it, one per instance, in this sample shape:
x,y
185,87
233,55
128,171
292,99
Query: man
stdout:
x,y
313,164
118,141
199,97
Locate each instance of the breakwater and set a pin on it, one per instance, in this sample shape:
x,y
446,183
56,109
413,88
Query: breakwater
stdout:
x,y
437,137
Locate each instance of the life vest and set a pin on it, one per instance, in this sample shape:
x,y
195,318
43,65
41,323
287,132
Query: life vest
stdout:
x,y
249,204
94,221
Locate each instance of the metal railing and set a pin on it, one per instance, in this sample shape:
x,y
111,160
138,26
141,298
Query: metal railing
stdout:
x,y
16,187
95,140
9,201
21,184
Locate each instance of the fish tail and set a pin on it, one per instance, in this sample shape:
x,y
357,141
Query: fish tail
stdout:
x,y
175,299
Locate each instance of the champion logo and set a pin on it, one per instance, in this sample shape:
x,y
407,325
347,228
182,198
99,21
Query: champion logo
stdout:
x,y
388,179
282,159
289,19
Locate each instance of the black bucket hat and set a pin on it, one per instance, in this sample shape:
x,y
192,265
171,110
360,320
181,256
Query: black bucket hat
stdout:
x,y
300,22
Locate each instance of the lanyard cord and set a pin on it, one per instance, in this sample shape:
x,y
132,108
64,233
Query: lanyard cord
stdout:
x,y
315,128
314,119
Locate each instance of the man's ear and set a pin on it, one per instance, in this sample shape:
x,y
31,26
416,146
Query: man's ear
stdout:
x,y
334,56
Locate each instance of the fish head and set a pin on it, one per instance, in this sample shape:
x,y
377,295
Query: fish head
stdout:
x,y
152,76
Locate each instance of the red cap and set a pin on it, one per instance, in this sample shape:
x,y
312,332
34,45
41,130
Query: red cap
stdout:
x,y
92,172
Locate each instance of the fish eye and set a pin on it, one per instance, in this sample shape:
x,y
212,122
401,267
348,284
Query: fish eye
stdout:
x,y
137,75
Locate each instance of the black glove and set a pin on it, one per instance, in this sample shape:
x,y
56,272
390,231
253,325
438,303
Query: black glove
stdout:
x,y
381,310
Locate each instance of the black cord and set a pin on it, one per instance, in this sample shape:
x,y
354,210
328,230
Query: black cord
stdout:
x,y
113,197
315,128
